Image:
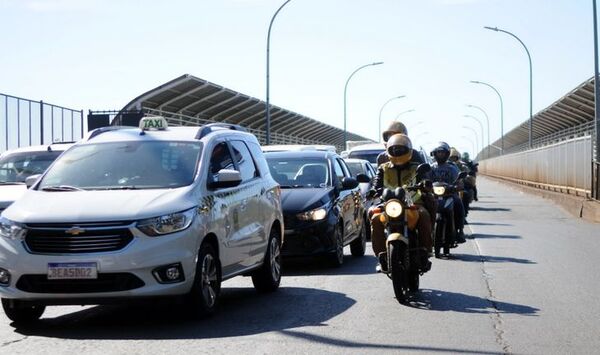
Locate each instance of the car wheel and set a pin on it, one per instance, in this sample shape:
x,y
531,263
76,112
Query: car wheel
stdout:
x,y
337,256
204,296
22,313
268,277
359,245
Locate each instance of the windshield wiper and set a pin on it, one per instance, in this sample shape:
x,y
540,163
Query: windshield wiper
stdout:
x,y
12,183
130,187
61,188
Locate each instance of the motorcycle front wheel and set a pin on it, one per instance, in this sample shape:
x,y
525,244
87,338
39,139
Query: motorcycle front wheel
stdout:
x,y
398,260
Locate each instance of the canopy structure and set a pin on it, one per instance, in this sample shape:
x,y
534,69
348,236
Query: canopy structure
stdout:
x,y
188,100
570,116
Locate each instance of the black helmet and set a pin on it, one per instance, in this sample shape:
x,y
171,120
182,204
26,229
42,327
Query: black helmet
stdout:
x,y
441,152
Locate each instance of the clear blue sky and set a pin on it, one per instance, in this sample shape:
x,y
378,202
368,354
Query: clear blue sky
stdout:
x,y
92,54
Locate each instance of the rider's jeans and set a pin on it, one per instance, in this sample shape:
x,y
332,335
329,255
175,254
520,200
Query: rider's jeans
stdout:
x,y
423,225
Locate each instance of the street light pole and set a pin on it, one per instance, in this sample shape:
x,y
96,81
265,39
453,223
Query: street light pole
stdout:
x,y
345,95
596,85
470,140
268,109
487,118
501,110
380,111
530,80
402,113
475,133
480,126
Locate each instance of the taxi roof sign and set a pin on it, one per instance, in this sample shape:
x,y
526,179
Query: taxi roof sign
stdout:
x,y
153,123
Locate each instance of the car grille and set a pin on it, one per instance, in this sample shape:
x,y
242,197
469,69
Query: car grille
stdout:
x,y
104,283
91,238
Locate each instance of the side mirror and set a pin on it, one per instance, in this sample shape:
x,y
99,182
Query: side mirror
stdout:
x,y
32,179
362,178
349,183
226,178
423,169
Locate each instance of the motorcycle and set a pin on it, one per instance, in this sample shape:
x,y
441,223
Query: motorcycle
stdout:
x,y
445,229
405,261
469,192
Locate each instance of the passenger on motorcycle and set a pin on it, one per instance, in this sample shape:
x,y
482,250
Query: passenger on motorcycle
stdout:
x,y
444,171
472,172
467,195
399,171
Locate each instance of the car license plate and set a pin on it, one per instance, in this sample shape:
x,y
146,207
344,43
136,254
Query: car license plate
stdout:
x,y
72,271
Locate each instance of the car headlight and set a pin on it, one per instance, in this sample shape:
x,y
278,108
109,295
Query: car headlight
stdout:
x,y
439,190
11,230
314,215
171,223
393,209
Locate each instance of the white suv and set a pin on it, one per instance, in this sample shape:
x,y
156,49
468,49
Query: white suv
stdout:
x,y
146,212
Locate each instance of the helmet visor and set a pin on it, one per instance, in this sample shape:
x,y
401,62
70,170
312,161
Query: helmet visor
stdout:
x,y
398,150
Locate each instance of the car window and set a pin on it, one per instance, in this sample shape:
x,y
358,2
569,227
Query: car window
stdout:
x,y
355,168
298,172
220,158
125,165
244,161
339,171
259,158
369,155
18,166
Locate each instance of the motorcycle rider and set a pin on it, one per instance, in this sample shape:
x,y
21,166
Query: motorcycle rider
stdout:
x,y
397,172
468,182
472,172
444,171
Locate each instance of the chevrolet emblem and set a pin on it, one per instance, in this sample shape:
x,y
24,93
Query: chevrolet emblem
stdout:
x,y
75,231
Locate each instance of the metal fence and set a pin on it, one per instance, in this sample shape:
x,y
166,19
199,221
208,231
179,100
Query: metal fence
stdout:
x,y
27,122
563,166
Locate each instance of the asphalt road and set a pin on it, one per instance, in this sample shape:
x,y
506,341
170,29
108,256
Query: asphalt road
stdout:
x,y
526,283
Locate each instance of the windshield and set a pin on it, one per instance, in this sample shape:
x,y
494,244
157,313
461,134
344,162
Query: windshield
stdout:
x,y
299,172
370,155
125,165
355,168
15,168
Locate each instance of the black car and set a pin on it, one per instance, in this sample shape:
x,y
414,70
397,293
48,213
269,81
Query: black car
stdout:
x,y
322,205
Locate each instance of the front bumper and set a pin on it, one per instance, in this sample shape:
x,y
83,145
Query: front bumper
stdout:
x,y
309,238
123,274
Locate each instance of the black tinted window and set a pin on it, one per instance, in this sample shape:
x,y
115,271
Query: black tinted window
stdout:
x,y
244,160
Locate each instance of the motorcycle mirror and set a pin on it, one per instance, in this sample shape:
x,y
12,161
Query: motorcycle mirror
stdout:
x,y
423,169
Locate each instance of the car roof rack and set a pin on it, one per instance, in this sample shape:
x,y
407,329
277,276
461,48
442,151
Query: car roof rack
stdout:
x,y
51,144
212,127
99,131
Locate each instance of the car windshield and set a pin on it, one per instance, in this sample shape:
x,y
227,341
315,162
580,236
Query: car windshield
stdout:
x,y
299,172
355,168
15,168
370,155
124,165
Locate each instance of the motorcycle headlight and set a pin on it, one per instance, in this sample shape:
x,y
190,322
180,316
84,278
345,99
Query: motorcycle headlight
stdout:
x,y
11,230
167,224
439,190
393,209
314,215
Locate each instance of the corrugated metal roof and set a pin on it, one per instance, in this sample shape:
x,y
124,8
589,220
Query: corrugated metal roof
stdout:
x,y
193,98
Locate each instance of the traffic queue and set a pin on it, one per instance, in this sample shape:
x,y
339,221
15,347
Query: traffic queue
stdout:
x,y
131,213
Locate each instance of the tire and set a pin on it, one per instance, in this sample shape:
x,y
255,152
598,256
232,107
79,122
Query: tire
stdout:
x,y
359,245
22,313
413,281
268,277
204,296
399,273
337,256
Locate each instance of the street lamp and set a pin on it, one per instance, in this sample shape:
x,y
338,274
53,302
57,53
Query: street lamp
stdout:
x,y
480,126
469,140
268,111
530,80
345,94
501,110
596,88
421,135
415,125
487,118
380,111
403,112
476,136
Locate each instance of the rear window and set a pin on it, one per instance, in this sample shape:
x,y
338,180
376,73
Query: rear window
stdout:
x,y
370,155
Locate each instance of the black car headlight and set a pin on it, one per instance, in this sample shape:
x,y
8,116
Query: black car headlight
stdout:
x,y
11,230
167,224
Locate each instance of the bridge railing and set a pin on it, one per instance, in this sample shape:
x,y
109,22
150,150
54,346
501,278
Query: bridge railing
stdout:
x,y
27,122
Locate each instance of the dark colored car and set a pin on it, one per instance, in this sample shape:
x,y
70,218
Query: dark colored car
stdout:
x,y
322,205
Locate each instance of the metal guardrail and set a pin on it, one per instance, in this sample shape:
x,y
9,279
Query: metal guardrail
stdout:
x,y
28,122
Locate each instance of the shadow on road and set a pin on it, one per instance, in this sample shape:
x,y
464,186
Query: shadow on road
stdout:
x,y
489,224
355,344
494,236
242,311
490,259
437,300
321,266
490,209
